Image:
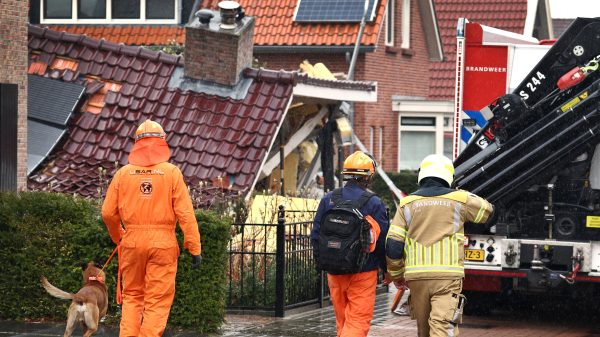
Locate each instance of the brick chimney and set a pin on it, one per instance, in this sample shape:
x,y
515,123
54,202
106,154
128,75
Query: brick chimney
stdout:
x,y
218,45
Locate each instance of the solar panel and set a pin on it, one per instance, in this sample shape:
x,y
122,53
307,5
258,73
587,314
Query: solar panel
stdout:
x,y
41,139
334,10
50,104
52,100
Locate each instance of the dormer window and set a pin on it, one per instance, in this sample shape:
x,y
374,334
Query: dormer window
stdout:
x,y
109,11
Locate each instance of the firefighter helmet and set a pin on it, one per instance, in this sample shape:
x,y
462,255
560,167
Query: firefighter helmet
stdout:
x,y
359,164
438,166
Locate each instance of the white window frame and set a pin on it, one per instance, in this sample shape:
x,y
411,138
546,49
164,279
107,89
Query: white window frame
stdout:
x,y
371,138
424,109
390,23
380,150
109,20
405,24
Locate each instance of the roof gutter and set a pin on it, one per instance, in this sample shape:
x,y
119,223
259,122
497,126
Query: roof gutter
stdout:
x,y
311,49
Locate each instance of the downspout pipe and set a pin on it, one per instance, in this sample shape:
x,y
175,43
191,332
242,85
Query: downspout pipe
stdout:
x,y
363,23
195,8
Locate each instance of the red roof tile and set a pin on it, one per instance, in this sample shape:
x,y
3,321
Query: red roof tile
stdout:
x,y
502,14
210,136
274,26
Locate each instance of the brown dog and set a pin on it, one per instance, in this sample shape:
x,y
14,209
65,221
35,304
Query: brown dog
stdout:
x,y
88,305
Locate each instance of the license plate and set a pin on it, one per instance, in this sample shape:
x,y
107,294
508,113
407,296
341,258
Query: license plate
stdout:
x,y
474,254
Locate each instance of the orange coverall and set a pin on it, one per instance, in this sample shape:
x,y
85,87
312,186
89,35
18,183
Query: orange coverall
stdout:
x,y
147,202
353,297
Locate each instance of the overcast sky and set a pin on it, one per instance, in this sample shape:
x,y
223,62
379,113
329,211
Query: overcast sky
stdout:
x,y
574,8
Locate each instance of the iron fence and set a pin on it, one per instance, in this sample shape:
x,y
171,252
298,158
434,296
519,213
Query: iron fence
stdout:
x,y
271,267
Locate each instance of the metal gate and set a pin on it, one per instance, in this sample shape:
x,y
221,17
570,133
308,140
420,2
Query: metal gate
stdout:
x,y
271,266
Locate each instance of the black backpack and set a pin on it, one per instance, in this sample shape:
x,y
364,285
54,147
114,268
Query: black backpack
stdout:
x,y
344,235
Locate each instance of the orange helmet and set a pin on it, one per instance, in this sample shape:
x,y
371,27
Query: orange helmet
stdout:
x,y
359,164
149,129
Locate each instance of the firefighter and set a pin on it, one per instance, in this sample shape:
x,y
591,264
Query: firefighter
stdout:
x,y
143,202
425,246
353,295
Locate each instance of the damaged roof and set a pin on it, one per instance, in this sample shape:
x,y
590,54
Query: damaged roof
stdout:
x,y
220,143
211,137
275,26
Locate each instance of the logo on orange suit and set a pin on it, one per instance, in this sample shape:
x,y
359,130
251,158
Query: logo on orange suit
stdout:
x,y
146,188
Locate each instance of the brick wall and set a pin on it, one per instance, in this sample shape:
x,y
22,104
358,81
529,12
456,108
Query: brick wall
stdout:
x,y
397,72
13,69
218,56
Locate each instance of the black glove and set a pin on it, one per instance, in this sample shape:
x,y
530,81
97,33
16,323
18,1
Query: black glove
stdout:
x,y
196,260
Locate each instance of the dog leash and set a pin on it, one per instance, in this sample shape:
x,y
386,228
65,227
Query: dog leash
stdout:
x,y
99,278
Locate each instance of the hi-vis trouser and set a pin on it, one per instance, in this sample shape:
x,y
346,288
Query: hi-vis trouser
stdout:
x,y
437,305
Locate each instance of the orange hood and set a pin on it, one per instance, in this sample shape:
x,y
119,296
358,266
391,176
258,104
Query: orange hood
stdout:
x,y
149,151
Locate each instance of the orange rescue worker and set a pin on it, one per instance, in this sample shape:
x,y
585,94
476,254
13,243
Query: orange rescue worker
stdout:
x,y
425,246
143,202
353,292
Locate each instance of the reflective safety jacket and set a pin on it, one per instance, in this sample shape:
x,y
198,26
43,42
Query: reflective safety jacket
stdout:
x,y
428,231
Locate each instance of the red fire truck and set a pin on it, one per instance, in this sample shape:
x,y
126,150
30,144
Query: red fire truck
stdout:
x,y
526,135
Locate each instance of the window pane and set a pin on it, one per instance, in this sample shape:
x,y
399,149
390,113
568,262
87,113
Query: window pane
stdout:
x,y
57,9
418,121
389,20
160,9
91,9
126,9
414,146
448,144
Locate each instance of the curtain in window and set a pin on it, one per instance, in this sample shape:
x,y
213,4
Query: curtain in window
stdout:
x,y
414,146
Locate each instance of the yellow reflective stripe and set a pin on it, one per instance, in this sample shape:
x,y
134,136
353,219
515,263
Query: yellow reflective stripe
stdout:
x,y
460,196
409,198
436,267
430,255
411,252
455,238
480,213
436,270
450,250
398,230
442,254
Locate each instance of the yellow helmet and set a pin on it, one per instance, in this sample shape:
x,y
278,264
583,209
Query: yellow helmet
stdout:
x,y
438,166
149,129
359,163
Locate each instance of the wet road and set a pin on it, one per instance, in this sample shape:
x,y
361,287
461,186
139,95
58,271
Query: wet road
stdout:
x,y
510,318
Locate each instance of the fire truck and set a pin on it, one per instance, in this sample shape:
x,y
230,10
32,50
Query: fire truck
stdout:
x,y
526,138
